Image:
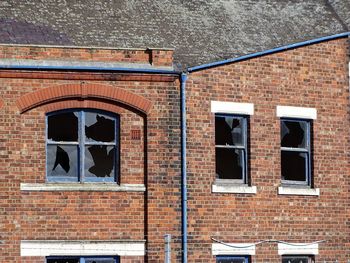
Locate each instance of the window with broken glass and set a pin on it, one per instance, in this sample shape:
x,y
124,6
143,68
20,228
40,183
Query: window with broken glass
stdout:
x,y
297,259
99,259
232,259
231,148
82,146
295,151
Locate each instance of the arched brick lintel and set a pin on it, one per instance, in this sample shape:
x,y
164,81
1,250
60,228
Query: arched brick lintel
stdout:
x,y
83,91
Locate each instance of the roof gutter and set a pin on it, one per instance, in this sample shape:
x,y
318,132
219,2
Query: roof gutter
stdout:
x,y
266,52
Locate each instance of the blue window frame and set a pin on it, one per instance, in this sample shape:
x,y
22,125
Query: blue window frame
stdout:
x,y
231,147
82,146
298,259
90,259
296,151
233,259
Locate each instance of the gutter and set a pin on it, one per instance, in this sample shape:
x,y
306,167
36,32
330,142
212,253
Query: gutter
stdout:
x,y
266,52
183,169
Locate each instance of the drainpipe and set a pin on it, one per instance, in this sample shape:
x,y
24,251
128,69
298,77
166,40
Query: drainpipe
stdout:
x,y
183,169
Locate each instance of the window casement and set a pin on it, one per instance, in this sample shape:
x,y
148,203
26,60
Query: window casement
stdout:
x,y
231,140
99,259
82,146
296,151
297,259
232,259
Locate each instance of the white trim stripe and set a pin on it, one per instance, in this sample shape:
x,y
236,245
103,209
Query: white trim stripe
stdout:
x,y
232,107
299,249
242,249
233,189
296,112
283,190
44,248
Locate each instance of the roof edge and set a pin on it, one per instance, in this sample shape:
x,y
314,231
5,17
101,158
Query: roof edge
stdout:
x,y
266,52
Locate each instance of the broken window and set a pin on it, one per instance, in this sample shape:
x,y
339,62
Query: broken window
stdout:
x,y
295,151
297,259
100,259
231,147
232,259
82,146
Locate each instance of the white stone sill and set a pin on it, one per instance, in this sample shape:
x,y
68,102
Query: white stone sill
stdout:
x,y
289,190
233,189
92,187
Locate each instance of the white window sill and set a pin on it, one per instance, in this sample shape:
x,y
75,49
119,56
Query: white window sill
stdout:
x,y
290,190
97,187
233,189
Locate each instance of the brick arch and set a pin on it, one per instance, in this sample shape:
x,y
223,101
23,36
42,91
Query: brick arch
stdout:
x,y
82,92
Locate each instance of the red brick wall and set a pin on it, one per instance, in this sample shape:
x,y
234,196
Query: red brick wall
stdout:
x,y
312,76
28,215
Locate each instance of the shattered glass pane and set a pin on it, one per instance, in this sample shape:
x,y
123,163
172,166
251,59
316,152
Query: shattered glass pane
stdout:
x,y
62,161
293,134
229,130
99,127
230,260
63,127
99,161
229,163
294,166
99,260
63,260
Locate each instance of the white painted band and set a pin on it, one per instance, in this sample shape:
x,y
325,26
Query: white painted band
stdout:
x,y
298,249
232,107
242,249
296,112
44,248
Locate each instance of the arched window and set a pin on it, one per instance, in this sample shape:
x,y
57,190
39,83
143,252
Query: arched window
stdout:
x,y
82,146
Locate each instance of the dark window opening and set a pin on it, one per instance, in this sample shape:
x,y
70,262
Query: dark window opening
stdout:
x,y
233,259
297,259
82,146
101,259
231,147
295,151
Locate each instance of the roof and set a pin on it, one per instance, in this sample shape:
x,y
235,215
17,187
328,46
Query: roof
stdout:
x,y
200,31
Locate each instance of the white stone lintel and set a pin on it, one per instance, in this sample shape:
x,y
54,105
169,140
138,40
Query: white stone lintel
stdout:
x,y
234,189
298,249
238,249
232,107
285,190
44,248
98,187
296,112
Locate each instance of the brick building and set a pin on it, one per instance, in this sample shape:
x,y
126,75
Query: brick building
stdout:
x,y
234,140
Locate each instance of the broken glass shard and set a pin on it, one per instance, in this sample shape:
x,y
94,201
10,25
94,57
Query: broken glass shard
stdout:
x,y
99,161
62,161
99,127
229,163
228,130
63,127
294,166
293,134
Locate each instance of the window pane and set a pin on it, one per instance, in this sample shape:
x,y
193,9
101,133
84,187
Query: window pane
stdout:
x,y
294,166
295,260
62,161
63,260
99,127
99,161
63,127
229,163
99,260
229,130
230,260
293,134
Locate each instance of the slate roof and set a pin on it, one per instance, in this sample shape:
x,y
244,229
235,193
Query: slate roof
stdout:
x,y
200,31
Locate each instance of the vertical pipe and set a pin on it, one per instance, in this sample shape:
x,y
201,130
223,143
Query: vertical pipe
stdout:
x,y
167,256
183,169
